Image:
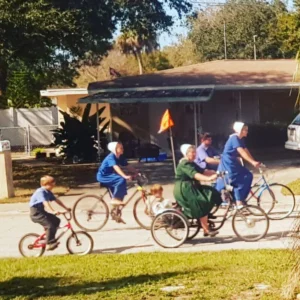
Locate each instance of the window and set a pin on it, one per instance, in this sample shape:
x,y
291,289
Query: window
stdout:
x,y
297,120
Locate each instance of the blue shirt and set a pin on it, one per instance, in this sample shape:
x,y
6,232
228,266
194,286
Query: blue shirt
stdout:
x,y
39,196
106,169
202,153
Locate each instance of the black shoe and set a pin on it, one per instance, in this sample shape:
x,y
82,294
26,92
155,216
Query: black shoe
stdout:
x,y
211,233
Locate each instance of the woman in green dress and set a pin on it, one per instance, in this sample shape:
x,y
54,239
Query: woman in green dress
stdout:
x,y
196,200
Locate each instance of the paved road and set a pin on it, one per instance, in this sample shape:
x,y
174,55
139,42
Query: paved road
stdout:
x,y
129,238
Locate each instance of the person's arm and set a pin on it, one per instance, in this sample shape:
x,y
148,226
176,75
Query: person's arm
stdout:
x,y
212,161
202,177
60,203
49,207
120,172
245,155
248,152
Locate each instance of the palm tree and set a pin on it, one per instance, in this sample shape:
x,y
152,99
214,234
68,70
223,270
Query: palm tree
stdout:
x,y
130,42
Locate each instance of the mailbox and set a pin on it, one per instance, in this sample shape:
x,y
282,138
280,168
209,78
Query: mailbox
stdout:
x,y
6,176
4,146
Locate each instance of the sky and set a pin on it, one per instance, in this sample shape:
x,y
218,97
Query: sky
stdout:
x,y
179,28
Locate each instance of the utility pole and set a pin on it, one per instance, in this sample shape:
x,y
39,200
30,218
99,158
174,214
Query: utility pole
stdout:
x,y
254,46
225,41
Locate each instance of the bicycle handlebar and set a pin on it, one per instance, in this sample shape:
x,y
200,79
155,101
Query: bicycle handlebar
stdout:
x,y
66,214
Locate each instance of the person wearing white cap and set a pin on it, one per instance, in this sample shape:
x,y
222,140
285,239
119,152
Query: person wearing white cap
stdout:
x,y
239,176
196,200
111,175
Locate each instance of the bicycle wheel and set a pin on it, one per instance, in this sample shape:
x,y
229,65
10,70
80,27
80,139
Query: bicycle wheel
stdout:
x,y
90,213
194,228
250,223
80,243
170,229
284,202
29,246
140,214
265,199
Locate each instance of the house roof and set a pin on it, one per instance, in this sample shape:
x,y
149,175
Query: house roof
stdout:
x,y
217,73
63,92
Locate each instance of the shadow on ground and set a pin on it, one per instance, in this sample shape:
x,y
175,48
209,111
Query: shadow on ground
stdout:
x,y
34,287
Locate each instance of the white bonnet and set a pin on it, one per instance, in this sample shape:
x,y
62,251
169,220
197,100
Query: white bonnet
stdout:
x,y
184,148
112,147
238,127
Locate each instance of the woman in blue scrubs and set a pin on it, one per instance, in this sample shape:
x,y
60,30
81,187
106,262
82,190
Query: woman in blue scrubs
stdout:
x,y
239,176
110,174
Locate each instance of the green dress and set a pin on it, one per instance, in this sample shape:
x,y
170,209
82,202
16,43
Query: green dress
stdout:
x,y
196,200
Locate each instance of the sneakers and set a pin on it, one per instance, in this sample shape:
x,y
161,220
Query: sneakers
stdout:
x,y
52,246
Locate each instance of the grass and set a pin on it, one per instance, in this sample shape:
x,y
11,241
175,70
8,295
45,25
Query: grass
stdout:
x,y
26,179
206,275
295,186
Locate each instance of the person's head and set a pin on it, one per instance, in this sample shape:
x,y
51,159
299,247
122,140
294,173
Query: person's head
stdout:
x,y
241,129
47,182
157,190
116,148
206,139
188,151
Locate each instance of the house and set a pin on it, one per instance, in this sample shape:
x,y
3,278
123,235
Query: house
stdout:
x,y
208,96
66,99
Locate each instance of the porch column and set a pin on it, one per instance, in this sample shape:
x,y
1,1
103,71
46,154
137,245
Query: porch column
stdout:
x,y
98,132
195,124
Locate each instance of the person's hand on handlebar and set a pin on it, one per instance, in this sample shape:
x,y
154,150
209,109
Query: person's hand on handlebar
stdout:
x,y
128,177
213,177
256,164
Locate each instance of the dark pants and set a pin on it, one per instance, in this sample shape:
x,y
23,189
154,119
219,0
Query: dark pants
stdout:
x,y
49,221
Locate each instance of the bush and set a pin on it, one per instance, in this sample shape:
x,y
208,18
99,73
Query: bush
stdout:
x,y
77,140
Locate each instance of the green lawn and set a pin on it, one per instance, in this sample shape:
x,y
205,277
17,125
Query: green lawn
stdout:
x,y
207,275
26,179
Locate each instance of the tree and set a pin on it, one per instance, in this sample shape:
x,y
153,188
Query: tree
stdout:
x,y
243,19
183,53
60,35
130,42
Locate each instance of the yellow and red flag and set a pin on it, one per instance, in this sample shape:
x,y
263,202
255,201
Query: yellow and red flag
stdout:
x,y
166,122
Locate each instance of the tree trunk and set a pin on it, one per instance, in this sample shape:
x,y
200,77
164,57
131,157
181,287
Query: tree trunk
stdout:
x,y
138,57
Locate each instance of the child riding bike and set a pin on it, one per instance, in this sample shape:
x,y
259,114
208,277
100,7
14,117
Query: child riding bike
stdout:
x,y
40,200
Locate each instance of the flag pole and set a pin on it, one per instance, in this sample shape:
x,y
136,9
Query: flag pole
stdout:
x,y
172,149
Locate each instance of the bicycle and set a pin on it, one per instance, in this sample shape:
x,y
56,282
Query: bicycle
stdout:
x,y
36,244
173,225
91,212
276,199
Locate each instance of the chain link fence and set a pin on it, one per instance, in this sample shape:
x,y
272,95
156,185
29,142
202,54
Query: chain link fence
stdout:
x,y
24,139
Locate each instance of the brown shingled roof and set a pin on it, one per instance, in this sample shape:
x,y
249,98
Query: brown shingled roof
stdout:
x,y
230,72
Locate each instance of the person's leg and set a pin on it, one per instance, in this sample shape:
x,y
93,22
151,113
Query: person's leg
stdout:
x,y
243,189
52,224
205,227
119,191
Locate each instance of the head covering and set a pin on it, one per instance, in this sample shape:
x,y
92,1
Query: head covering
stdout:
x,y
112,147
184,148
238,127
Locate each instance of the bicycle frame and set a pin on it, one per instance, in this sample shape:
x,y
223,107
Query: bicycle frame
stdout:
x,y
262,185
64,228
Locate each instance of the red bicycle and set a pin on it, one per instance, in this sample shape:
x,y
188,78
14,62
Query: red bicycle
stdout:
x,y
79,242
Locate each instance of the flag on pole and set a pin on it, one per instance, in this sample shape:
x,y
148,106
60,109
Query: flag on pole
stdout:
x,y
166,122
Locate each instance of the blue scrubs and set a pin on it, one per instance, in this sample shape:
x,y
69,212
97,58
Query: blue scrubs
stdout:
x,y
109,178
239,177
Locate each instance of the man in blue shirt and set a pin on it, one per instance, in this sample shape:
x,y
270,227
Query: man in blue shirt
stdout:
x,y
207,156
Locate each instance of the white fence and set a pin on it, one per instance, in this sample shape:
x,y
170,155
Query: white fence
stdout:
x,y
28,128
26,138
